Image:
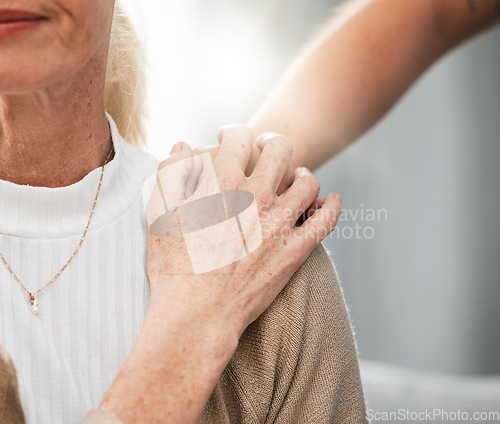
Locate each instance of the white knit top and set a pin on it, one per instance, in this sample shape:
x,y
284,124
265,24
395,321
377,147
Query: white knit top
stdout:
x,y
68,355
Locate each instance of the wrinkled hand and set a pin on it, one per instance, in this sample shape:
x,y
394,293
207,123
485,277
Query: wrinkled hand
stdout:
x,y
237,293
257,147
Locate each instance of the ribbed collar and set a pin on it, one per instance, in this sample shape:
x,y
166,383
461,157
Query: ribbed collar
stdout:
x,y
47,213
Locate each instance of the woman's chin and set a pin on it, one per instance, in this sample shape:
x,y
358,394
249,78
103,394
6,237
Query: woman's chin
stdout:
x,y
27,73
24,68
12,83
20,81
29,67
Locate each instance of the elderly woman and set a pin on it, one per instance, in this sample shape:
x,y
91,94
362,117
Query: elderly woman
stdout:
x,y
76,283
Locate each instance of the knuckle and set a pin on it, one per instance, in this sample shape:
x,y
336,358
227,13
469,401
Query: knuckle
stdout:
x,y
185,146
264,197
279,142
238,131
282,143
311,183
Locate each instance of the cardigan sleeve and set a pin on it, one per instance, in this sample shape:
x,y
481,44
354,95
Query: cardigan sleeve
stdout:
x,y
297,363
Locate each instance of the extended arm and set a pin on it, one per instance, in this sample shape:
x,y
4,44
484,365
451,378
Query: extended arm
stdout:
x,y
359,65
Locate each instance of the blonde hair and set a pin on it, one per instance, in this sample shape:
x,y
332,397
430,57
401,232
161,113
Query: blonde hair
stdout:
x,y
125,88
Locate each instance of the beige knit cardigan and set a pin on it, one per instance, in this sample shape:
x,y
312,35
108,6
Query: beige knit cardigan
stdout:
x,y
297,363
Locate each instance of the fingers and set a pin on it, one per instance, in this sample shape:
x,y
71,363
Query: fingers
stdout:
x,y
288,178
311,209
234,151
252,161
254,158
193,177
272,163
319,225
173,175
301,195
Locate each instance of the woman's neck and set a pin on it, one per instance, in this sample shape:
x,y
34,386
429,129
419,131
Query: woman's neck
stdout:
x,y
54,137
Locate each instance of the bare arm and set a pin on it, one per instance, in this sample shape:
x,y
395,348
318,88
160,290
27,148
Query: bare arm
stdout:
x,y
359,65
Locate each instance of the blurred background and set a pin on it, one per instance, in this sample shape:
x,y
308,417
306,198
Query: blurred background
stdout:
x,y
418,249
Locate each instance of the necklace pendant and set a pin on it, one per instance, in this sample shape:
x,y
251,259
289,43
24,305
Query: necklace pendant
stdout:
x,y
34,304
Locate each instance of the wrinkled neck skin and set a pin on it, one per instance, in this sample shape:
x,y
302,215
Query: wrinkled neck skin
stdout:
x,y
55,136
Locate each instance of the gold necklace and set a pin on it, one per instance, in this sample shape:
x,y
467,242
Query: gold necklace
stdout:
x,y
31,295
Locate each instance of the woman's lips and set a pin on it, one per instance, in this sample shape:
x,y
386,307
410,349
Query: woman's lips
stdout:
x,y
13,22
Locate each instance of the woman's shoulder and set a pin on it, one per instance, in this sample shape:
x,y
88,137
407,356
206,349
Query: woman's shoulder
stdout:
x,y
297,362
308,305
139,159
137,170
136,161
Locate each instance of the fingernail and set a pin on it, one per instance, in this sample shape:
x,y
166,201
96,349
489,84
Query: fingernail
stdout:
x,y
177,148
